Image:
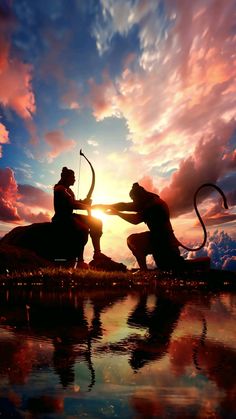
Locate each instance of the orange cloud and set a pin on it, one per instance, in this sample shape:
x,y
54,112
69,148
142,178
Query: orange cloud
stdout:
x,y
205,165
33,196
181,86
3,136
22,203
101,98
15,76
58,143
8,196
15,88
27,215
147,183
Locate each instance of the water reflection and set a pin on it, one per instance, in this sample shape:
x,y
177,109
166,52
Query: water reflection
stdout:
x,y
159,323
117,354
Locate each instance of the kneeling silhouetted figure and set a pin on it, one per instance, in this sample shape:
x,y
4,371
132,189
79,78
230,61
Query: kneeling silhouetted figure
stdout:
x,y
160,240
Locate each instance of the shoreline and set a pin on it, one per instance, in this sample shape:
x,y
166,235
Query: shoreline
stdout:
x,y
66,279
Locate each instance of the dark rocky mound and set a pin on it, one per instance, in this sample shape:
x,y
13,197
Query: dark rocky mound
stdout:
x,y
14,258
39,244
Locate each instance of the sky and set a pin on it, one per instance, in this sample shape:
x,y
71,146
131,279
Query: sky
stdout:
x,y
146,88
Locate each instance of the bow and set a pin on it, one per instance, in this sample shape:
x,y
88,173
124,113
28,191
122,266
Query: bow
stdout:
x,y
90,192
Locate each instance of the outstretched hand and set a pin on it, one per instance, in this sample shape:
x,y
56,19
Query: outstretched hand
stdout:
x,y
102,207
111,211
107,209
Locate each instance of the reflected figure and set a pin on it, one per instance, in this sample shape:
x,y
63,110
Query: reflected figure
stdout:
x,y
64,322
161,323
64,358
200,344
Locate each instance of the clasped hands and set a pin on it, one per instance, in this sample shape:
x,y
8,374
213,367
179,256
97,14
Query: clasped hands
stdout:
x,y
107,209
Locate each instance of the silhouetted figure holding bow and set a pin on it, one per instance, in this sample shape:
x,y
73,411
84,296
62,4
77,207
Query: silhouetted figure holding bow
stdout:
x,y
160,240
77,224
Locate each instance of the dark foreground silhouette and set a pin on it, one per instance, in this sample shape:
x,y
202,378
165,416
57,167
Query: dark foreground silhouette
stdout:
x,y
159,240
63,240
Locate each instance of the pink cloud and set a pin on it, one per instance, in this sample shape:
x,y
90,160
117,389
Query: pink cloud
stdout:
x,y
186,74
178,93
4,138
147,183
15,76
219,218
58,143
71,97
22,203
4,52
15,88
34,197
216,214
30,217
101,98
8,196
206,165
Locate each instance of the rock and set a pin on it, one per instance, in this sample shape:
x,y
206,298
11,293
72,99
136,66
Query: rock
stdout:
x,y
18,259
47,241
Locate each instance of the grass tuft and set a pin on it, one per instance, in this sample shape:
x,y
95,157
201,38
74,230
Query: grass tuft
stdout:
x,y
67,278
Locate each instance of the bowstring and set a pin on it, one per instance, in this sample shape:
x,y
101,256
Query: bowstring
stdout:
x,y
79,176
76,211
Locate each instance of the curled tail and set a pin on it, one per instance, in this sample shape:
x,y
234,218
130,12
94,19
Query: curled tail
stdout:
x,y
199,216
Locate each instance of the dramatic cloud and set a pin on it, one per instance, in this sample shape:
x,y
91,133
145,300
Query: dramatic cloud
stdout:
x,y
102,98
22,203
230,263
221,248
147,183
207,164
58,144
15,89
120,17
182,73
32,217
148,87
15,76
179,94
3,137
33,197
8,196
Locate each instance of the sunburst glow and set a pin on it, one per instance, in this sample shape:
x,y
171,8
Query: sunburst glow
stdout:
x,y
99,214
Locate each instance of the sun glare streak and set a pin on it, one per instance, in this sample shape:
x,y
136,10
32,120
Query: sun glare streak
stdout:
x,y
100,215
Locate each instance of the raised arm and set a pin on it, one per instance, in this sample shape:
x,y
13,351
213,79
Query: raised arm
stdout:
x,y
134,218
120,206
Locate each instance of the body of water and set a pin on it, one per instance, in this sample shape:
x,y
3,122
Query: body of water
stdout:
x,y
118,354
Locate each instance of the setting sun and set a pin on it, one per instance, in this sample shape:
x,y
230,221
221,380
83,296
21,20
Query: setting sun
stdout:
x,y
99,214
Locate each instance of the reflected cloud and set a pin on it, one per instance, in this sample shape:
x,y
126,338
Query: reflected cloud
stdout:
x,y
169,359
